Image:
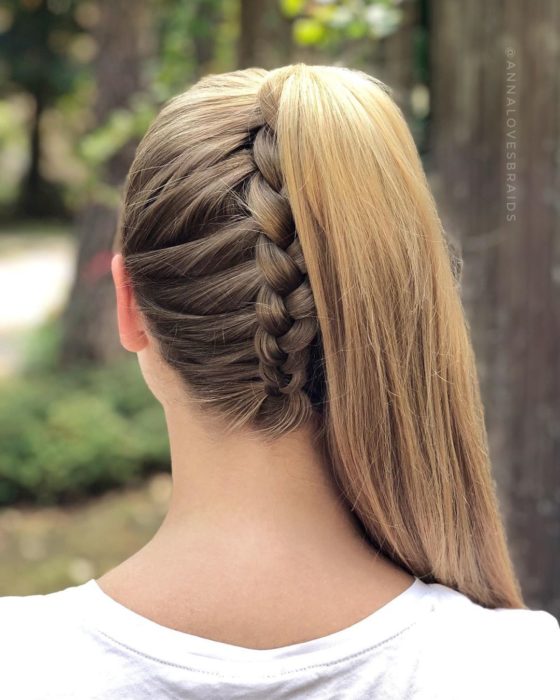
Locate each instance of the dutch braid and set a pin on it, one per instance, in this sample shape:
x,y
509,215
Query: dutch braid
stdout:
x,y
210,243
285,308
215,262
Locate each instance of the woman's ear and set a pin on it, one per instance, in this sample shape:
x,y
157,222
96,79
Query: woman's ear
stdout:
x,y
131,330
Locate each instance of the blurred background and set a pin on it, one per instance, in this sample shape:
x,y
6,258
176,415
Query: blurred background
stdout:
x,y
84,467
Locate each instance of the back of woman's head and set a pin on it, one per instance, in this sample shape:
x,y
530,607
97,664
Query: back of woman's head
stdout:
x,y
285,251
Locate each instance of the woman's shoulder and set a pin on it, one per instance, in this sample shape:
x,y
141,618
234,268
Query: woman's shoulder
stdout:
x,y
458,648
12,604
44,645
517,649
43,621
451,604
27,617
453,648
455,612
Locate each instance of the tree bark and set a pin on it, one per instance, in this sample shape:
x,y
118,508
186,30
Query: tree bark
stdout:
x,y
208,16
496,129
89,322
31,204
38,198
251,19
395,56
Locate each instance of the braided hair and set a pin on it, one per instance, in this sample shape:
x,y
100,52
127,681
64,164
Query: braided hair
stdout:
x,y
209,241
278,231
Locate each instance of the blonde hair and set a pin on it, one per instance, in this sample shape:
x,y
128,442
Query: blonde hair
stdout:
x,y
286,252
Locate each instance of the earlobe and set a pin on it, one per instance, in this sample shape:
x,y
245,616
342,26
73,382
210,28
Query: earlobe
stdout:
x,y
131,332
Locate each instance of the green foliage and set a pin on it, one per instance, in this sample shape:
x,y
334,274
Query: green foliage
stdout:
x,y
37,51
69,434
308,31
100,145
179,27
41,349
292,8
328,23
13,141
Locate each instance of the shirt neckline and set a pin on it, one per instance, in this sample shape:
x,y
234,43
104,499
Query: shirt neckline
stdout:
x,y
147,637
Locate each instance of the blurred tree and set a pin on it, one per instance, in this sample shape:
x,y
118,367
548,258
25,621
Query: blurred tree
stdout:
x,y
206,18
189,37
170,44
496,101
37,57
278,34
339,24
250,32
89,328
401,61
265,34
382,37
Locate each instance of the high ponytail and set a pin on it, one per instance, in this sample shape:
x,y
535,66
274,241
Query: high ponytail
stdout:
x,y
404,421
286,253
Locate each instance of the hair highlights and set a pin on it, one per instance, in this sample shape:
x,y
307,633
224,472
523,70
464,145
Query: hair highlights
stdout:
x,y
286,252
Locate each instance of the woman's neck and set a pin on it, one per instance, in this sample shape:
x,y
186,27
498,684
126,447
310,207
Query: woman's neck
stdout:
x,y
251,523
240,487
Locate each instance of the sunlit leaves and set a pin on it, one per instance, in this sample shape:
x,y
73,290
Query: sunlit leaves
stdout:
x,y
308,31
100,145
324,22
292,8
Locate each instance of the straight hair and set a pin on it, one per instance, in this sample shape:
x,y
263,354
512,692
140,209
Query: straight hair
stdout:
x,y
286,252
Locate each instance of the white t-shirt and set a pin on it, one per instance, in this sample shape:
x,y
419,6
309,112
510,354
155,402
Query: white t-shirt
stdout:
x,y
428,643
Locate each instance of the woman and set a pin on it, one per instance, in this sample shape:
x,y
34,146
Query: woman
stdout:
x,y
333,531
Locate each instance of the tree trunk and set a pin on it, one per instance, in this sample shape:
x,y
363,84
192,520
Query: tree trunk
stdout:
x,y
496,129
89,322
277,35
251,19
32,186
395,56
208,16
38,198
